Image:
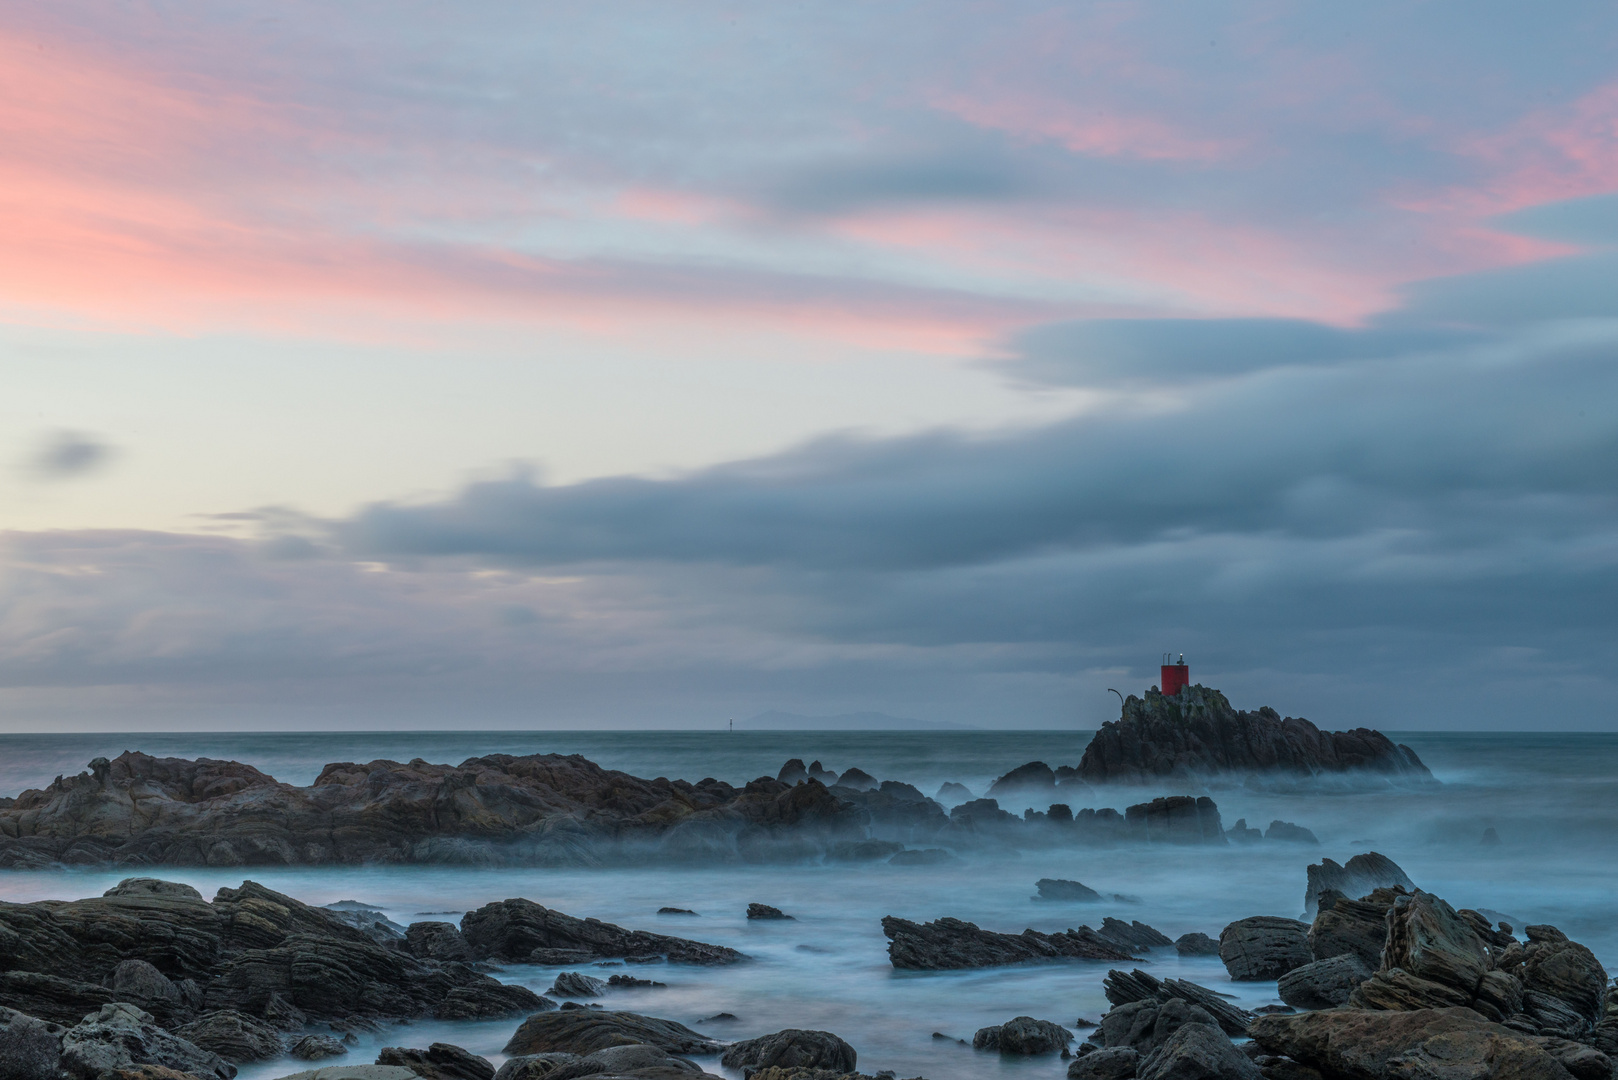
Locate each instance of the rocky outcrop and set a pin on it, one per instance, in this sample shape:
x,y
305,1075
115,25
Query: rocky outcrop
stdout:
x,y
1198,1052
520,930
576,984
1323,984
120,1037
1144,1026
316,1048
1357,927
1196,944
792,1048
1196,734
1362,874
1062,891
1132,936
1023,1036
1136,986
584,1031
440,1061
765,911
233,1036
1176,819
1110,1063
1033,780
1264,947
951,943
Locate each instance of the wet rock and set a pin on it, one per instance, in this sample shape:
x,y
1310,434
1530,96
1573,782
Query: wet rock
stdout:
x,y
923,857
440,1061
951,792
1196,734
1357,1044
514,930
436,941
1132,936
792,1048
121,1036
765,911
1198,1052
1023,1035
902,791
233,1036
820,773
1323,984
951,943
857,779
1124,988
1433,959
140,983
1143,1026
584,1031
574,984
30,1048
675,911
1358,927
1549,965
1059,889
793,772
1176,819
629,982
1026,781
1264,947
1111,1063
639,1060
719,1018
317,1048
533,1066
1196,944
1362,874
1290,833
369,920
353,1072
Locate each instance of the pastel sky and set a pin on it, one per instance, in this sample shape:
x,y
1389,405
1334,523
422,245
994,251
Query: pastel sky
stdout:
x,y
647,365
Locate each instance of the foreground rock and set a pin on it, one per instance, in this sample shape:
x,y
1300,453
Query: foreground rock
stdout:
x,y
1352,927
440,1061
1264,947
1196,734
792,1049
1024,1035
1323,984
584,1031
951,943
1138,986
517,930
121,1037
1198,1052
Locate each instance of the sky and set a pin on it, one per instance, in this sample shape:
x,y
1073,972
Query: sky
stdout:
x,y
650,365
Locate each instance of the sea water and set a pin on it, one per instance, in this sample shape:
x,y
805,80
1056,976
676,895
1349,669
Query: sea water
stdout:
x,y
1552,800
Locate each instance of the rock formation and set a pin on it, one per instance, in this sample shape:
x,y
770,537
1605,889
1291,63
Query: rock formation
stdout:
x,y
1362,874
518,931
1264,947
950,943
1196,734
1025,1036
792,1048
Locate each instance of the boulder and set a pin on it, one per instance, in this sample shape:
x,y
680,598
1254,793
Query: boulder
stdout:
x,y
353,1072
436,941
440,1061
1290,833
792,1048
121,1036
1123,988
1132,936
1434,959
584,1031
1359,927
1323,984
951,792
140,983
1264,947
902,791
317,1048
1061,890
1031,780
535,1066
1198,1052
30,1048
1548,964
629,982
765,911
857,779
676,911
1196,944
638,1060
1452,1044
1143,1026
574,984
1110,1063
233,1036
951,943
513,931
793,772
1362,874
1024,1035
1175,819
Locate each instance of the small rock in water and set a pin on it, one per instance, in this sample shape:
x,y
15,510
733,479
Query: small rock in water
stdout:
x,y
630,982
1264,947
792,1048
1239,833
954,793
317,1048
1060,889
1295,834
948,1038
824,775
1196,944
718,1018
1490,838
440,1061
765,911
574,984
1024,1035
675,911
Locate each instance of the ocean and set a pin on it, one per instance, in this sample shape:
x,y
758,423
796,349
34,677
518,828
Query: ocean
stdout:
x,y
1551,798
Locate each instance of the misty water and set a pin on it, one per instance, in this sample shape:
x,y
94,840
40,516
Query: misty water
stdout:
x,y
1552,799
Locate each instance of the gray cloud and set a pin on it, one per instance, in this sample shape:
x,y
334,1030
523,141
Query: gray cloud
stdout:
x,y
64,455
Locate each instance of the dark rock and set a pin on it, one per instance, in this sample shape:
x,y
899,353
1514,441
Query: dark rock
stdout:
x,y
1264,947
584,1031
675,911
923,857
821,774
533,1066
793,772
1433,959
120,1036
1197,734
638,1060
440,1061
1196,944
1176,819
1323,984
317,1048
1059,889
514,930
30,1048
1143,1026
436,941
719,1018
1030,780
951,943
1358,927
629,982
902,791
1360,875
140,983
369,921
1132,936
983,814
1563,984
1111,1063
1023,1035
233,1036
1268,1010
858,779
1239,833
1125,988
1198,1052
1358,1044
765,911
792,1048
574,984
1059,814
951,792
1286,831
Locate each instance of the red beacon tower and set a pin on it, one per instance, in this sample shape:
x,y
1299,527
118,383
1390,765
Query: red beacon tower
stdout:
x,y
1176,677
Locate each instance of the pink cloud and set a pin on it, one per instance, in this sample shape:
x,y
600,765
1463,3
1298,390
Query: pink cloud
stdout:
x,y
1083,129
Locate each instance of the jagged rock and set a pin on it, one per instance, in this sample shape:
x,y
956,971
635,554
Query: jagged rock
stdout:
x,y
1059,889
1239,833
1137,985
533,1066
675,911
902,791
1030,780
951,792
1023,1035
639,1060
1358,927
820,773
983,813
140,983
1110,1063
1196,944
1175,819
440,1061
317,1048
793,772
1358,1044
1264,947
121,1036
1198,1052
584,1031
30,1048
951,943
1361,875
1132,936
575,984
1323,984
792,1048
1196,734
923,857
513,930
1290,833
369,920
1548,964
1434,959
857,779
233,1036
436,941
765,911
1143,1026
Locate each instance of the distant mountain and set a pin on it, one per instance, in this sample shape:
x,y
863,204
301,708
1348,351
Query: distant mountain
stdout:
x,y
776,720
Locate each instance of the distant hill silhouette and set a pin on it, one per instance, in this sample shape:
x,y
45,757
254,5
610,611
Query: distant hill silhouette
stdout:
x,y
776,720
